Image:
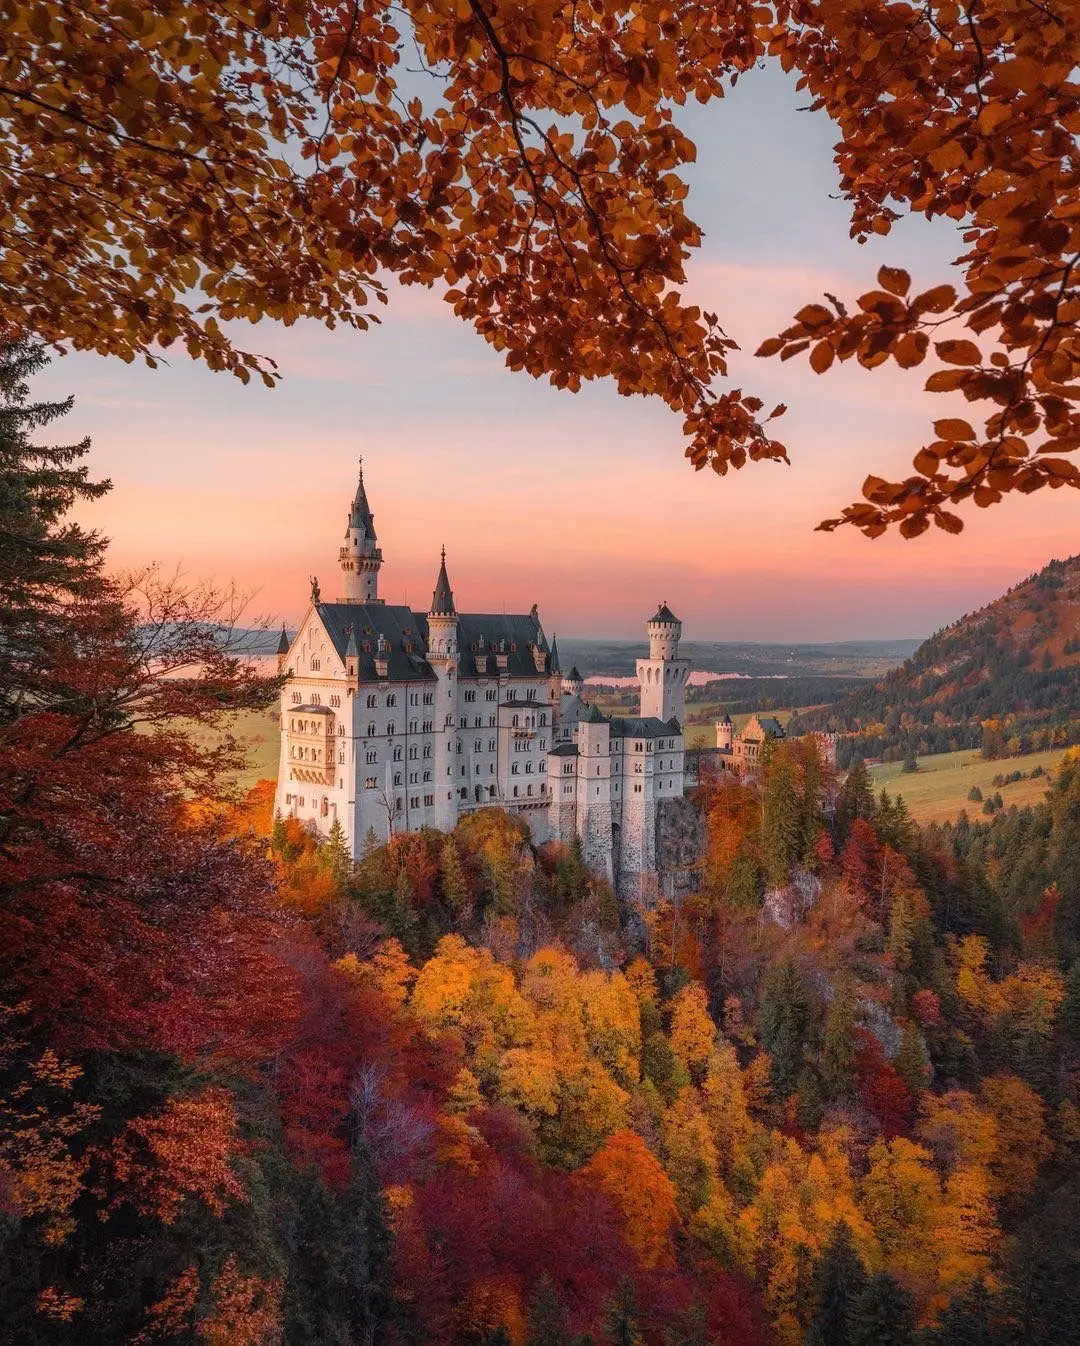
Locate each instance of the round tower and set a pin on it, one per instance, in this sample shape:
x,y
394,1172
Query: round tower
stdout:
x,y
573,683
725,732
662,676
360,558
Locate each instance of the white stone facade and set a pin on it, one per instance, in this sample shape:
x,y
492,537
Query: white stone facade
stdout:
x,y
392,720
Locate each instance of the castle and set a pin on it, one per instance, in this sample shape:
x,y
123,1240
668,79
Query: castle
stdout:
x,y
395,720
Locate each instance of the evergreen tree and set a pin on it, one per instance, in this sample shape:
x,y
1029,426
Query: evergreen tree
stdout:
x,y
838,1281
966,1321
549,1324
369,1237
854,799
781,820
334,854
455,885
840,1044
622,1322
785,1014
278,835
45,561
882,1314
911,763
911,1061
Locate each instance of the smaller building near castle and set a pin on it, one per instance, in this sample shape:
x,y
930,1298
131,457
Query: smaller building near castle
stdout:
x,y
742,750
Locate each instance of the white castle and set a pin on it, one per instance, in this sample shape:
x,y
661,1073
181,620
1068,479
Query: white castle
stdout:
x,y
395,720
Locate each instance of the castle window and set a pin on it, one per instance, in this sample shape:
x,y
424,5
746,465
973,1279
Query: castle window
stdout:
x,y
413,778
464,722
371,731
427,775
477,745
528,768
391,699
296,698
397,754
492,744
341,731
412,698
637,789
427,726
543,744
325,806
316,700
371,758
316,664
341,759
515,792
543,789
390,727
470,696
514,721
491,768
371,702
427,749
514,768
491,792
429,800
492,693
542,767
414,801
397,777
568,768
491,721
528,789
543,721
429,698
478,722
464,792
371,783
413,753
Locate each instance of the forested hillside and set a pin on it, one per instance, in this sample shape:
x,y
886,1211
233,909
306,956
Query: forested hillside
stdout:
x,y
253,1093
1014,663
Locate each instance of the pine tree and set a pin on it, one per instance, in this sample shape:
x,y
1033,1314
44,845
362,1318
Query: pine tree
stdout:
x,y
911,763
335,857
278,836
549,1324
45,562
854,799
840,1044
370,1245
882,1314
838,1281
785,1014
911,1061
966,1321
622,1317
455,886
781,820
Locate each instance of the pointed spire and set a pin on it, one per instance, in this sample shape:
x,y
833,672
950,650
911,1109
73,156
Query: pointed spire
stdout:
x,y
442,600
283,641
360,516
351,650
555,656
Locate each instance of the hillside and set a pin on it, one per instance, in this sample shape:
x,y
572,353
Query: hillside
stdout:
x,y
1015,661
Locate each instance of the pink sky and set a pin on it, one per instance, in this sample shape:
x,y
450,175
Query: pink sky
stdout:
x,y
582,504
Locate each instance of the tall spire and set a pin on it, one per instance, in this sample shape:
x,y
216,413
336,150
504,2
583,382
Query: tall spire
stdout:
x,y
442,600
360,557
360,516
554,668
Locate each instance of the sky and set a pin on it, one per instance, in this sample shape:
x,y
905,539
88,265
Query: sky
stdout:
x,y
583,504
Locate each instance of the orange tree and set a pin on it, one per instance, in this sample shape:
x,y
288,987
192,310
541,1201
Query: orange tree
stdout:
x,y
167,167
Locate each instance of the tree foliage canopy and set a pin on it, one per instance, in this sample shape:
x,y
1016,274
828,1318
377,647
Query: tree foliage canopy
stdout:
x,y
167,168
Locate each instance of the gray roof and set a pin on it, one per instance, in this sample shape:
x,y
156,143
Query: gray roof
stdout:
x,y
442,600
360,515
772,727
283,641
725,719
401,627
664,614
593,715
647,727
481,634
563,750
398,626
574,675
553,667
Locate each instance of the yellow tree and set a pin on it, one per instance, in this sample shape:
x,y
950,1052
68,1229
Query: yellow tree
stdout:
x,y
692,1029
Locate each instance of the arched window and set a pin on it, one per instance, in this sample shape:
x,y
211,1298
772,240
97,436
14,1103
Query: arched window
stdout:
x,y
371,701
514,721
390,728
491,792
515,791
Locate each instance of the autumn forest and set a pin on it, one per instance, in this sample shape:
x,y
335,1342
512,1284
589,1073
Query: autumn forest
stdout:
x,y
453,1091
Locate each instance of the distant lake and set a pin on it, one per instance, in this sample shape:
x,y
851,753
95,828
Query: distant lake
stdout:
x,y
694,680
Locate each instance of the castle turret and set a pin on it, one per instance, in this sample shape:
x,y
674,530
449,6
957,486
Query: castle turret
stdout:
x,y
663,674
442,654
725,732
573,684
360,558
282,648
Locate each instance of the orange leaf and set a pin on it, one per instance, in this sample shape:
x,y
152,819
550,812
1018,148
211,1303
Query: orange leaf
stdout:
x,y
821,357
958,352
894,279
953,428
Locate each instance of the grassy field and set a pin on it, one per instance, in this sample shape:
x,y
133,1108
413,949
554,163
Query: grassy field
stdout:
x,y
258,730
938,791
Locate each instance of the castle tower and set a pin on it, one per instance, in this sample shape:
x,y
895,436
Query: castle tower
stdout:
x,y
442,654
573,683
360,558
725,732
663,674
